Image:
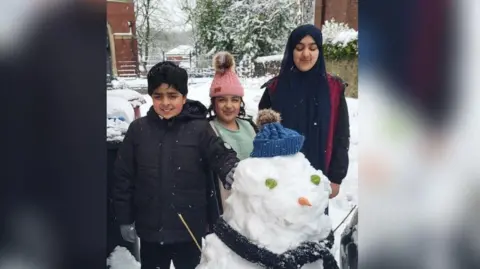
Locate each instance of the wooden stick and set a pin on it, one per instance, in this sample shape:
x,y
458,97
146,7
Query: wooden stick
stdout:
x,y
345,218
189,231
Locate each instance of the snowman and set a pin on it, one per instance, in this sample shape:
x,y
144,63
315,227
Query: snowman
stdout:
x,y
275,215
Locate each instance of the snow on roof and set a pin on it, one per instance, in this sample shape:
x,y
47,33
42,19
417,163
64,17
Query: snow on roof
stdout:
x,y
180,50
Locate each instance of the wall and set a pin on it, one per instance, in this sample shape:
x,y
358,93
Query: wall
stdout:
x,y
342,11
348,71
119,13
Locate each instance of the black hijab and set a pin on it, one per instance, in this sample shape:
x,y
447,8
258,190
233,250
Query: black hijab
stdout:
x,y
303,98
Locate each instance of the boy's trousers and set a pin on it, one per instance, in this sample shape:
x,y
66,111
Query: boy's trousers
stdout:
x,y
155,255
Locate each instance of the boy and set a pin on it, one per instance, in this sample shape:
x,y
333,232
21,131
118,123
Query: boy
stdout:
x,y
162,170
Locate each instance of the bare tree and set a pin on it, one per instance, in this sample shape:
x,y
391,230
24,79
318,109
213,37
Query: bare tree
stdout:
x,y
188,7
152,18
305,12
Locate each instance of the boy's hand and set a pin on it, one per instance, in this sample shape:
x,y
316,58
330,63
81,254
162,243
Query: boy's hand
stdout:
x,y
128,233
335,190
229,179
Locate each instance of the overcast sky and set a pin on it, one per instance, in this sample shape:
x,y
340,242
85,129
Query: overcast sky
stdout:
x,y
176,15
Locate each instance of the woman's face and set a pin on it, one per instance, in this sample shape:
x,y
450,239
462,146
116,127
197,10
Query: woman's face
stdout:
x,y
305,54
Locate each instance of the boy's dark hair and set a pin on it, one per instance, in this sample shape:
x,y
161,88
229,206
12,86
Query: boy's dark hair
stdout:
x,y
169,73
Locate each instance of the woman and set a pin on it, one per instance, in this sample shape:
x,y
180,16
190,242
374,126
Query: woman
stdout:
x,y
312,103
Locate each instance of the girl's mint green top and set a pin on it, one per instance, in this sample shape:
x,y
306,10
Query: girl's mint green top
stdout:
x,y
241,140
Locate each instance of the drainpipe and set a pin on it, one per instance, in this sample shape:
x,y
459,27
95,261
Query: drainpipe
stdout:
x,y
324,8
319,13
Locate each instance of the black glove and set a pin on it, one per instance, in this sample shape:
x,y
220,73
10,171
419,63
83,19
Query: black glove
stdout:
x,y
128,232
229,178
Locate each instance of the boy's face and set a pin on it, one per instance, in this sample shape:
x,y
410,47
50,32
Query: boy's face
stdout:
x,y
227,108
167,101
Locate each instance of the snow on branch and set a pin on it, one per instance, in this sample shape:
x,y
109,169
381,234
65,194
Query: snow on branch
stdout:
x,y
339,41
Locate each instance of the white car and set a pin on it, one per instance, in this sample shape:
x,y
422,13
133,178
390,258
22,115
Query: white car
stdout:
x,y
349,244
123,106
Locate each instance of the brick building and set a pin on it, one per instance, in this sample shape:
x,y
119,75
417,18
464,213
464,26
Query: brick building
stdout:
x,y
122,47
341,10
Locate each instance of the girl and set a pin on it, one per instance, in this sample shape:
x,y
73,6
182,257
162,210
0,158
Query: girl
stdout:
x,y
227,110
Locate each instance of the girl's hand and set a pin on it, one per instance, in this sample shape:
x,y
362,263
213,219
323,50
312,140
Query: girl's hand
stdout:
x,y
335,190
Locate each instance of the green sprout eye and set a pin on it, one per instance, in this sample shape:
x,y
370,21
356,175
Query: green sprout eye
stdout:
x,y
270,183
315,179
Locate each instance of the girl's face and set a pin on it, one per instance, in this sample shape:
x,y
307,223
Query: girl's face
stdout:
x,y
305,54
227,107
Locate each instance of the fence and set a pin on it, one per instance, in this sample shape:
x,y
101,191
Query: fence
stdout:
x,y
149,63
196,66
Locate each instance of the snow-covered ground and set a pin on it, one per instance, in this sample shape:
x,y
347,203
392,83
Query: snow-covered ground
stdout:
x,y
129,83
340,206
136,99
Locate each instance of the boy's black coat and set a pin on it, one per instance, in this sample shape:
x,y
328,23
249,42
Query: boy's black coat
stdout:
x,y
164,168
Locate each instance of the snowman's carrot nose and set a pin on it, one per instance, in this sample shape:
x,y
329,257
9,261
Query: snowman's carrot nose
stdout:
x,y
304,201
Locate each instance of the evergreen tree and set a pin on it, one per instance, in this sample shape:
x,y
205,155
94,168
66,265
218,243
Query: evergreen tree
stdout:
x,y
210,33
258,27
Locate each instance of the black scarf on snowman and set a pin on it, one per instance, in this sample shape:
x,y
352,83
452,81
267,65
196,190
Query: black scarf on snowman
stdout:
x,y
306,252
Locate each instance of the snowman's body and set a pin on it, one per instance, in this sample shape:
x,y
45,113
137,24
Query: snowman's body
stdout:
x,y
272,218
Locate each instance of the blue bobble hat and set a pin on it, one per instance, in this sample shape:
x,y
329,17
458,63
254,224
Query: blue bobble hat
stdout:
x,y
274,139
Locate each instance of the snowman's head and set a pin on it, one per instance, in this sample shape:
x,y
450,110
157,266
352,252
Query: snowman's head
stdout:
x,y
285,191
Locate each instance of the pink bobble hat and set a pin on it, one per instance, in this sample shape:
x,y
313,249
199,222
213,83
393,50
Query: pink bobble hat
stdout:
x,y
225,82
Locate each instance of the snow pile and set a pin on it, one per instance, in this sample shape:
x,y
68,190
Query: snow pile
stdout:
x,y
272,217
129,83
136,99
119,84
118,107
120,114
338,33
271,58
116,129
121,258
